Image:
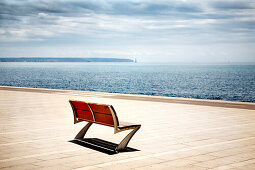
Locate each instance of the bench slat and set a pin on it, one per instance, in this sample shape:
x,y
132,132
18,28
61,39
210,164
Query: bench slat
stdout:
x,y
83,111
102,114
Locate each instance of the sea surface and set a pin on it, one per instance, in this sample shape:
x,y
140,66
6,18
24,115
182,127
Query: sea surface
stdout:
x,y
218,82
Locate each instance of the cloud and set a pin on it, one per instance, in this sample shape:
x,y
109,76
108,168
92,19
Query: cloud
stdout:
x,y
126,24
232,5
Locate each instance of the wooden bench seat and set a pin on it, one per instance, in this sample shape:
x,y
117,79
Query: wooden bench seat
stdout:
x,y
104,115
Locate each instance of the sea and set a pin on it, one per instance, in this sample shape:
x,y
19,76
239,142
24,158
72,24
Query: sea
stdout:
x,y
216,82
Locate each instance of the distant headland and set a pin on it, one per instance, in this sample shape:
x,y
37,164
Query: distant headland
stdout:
x,y
35,59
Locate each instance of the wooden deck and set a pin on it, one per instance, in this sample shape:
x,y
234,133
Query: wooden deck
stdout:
x,y
36,126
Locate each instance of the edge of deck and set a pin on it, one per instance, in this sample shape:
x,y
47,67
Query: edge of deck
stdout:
x,y
177,100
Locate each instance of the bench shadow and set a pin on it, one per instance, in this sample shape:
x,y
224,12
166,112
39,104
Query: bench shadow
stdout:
x,y
101,145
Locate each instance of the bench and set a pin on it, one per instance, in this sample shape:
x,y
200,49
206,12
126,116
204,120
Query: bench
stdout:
x,y
104,115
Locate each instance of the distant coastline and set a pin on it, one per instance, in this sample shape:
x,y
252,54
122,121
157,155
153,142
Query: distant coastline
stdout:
x,y
34,59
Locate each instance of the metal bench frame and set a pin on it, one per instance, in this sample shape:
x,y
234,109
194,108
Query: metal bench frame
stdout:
x,y
118,126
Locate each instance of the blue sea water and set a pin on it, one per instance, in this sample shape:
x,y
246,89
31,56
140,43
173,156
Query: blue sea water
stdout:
x,y
220,82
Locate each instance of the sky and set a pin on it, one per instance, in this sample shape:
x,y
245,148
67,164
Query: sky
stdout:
x,y
196,31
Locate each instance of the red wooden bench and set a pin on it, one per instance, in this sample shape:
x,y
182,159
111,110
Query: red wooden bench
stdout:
x,y
104,115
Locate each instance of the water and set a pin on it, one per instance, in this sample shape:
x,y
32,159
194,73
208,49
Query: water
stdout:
x,y
220,82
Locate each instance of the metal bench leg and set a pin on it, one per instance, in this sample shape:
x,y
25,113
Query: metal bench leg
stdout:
x,y
83,131
123,144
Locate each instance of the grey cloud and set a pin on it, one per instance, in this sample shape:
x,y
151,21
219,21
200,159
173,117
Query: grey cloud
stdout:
x,y
79,7
18,13
108,7
28,9
26,12
245,27
232,5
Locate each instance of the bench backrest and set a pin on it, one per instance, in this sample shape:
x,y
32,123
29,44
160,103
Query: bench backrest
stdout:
x,y
82,111
94,112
